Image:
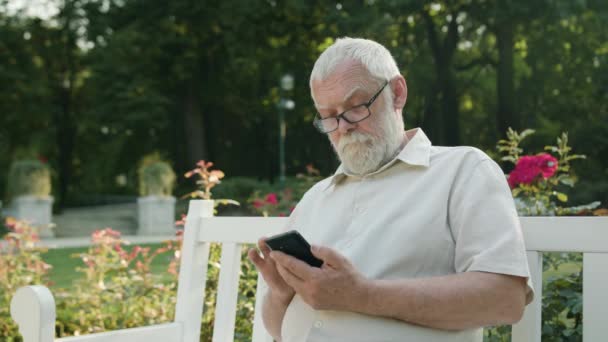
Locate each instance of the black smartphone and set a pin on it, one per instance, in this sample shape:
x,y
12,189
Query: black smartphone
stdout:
x,y
294,244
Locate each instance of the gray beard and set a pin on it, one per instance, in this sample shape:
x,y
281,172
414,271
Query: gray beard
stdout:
x,y
363,154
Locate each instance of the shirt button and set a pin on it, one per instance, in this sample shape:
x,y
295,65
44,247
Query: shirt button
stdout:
x,y
318,324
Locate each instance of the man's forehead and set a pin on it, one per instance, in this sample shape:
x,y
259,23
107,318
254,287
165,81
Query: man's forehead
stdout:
x,y
345,82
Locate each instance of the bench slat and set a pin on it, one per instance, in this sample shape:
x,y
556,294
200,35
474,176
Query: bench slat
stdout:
x,y
529,328
259,331
227,293
240,229
153,333
595,297
566,234
193,272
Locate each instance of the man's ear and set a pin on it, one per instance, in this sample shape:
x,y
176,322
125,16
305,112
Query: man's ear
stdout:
x,y
399,88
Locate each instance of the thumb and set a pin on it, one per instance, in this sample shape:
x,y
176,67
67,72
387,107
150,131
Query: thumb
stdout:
x,y
328,255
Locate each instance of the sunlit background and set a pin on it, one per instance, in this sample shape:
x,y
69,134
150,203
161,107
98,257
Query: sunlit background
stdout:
x,y
91,87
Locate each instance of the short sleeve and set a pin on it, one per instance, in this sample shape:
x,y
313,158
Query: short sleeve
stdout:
x,y
485,225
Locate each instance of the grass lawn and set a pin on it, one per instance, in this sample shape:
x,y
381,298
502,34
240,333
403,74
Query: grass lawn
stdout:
x,y
66,260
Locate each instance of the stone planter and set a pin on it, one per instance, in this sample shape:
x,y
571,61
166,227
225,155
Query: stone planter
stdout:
x,y
38,211
156,215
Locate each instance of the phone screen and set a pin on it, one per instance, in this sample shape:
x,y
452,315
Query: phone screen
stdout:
x,y
294,244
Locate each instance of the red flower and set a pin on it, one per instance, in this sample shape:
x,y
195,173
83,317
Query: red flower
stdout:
x,y
529,168
547,164
272,199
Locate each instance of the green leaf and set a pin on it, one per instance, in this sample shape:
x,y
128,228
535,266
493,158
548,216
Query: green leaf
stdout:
x,y
569,181
224,201
561,197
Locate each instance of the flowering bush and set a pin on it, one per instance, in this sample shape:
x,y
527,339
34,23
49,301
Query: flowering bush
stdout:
x,y
537,179
535,183
117,289
282,202
279,203
207,179
21,264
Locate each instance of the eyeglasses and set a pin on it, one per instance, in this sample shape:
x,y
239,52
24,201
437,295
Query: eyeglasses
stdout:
x,y
353,115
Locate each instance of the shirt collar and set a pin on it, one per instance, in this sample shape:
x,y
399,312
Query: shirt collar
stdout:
x,y
417,152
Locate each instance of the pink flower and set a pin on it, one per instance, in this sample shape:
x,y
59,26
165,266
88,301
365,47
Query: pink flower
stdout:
x,y
272,199
257,204
529,168
182,221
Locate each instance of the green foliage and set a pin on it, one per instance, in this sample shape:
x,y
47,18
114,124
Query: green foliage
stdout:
x,y
29,178
510,147
156,177
21,264
278,201
563,304
240,188
206,80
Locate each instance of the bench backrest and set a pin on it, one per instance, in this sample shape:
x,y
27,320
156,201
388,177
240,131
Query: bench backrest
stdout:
x,y
587,235
34,309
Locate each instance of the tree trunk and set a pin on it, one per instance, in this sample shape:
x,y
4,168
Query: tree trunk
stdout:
x,y
506,115
64,116
450,108
443,52
196,148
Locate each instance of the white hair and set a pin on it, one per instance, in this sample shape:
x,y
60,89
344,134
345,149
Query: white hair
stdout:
x,y
363,153
373,56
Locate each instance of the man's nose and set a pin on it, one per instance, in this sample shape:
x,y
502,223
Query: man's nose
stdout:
x,y
344,126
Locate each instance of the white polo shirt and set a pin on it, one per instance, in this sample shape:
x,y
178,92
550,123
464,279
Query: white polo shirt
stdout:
x,y
431,211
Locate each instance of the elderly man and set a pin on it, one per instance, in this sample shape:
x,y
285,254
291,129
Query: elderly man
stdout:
x,y
419,242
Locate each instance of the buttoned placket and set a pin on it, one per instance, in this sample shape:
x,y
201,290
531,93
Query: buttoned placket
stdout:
x,y
358,209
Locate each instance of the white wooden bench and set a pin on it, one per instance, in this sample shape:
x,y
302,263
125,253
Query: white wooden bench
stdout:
x,y
33,307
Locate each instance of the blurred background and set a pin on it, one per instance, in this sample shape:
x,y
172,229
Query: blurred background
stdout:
x,y
91,88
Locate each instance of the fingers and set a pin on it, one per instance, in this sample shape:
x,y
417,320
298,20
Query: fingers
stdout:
x,y
329,256
263,246
253,255
295,266
291,279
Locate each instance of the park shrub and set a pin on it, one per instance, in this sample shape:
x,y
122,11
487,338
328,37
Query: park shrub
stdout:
x,y
28,178
21,264
538,183
156,177
280,200
116,289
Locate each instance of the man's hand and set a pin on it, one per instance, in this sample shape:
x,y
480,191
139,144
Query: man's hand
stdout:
x,y
267,267
334,286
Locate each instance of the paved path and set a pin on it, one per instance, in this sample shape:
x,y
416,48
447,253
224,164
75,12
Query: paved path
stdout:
x,y
81,222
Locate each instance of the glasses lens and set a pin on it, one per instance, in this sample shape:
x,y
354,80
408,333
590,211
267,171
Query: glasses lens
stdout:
x,y
326,125
357,114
